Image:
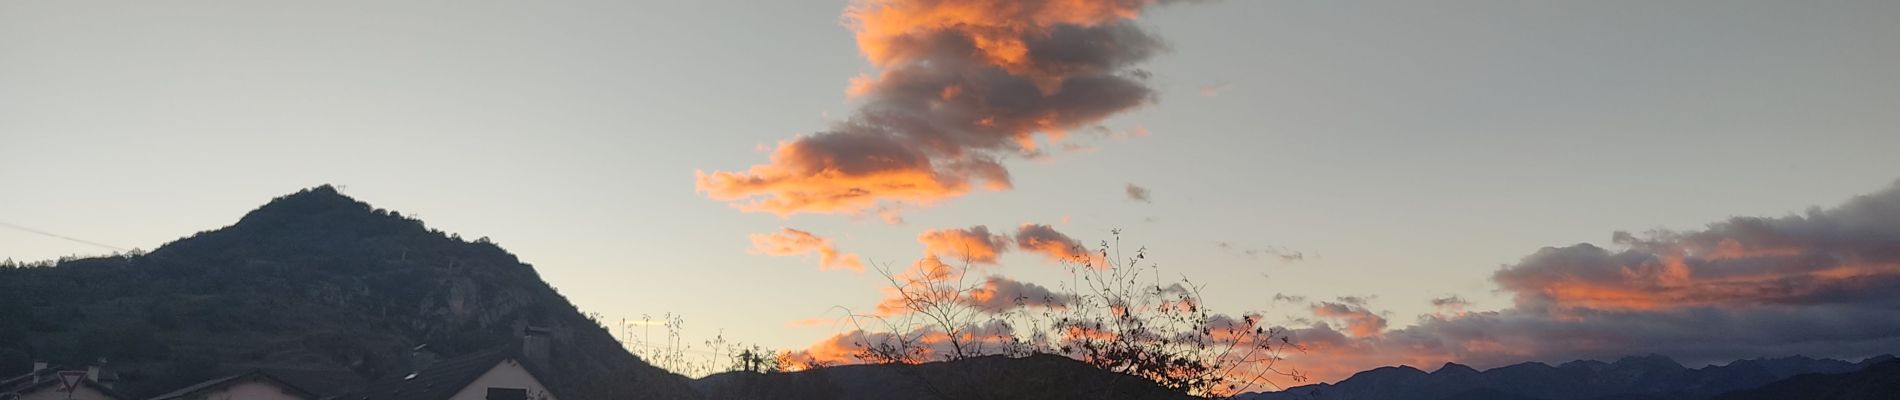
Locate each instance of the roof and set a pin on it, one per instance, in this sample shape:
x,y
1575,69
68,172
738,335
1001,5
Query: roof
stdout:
x,y
444,378
19,385
20,382
220,383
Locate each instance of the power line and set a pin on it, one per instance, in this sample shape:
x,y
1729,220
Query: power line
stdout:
x,y
55,235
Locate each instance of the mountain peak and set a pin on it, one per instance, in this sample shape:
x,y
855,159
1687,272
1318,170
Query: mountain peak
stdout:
x,y
1652,360
322,205
1454,368
310,220
1389,372
316,198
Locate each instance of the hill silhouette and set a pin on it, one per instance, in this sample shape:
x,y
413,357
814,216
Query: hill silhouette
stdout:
x,y
314,284
1878,382
1040,376
1630,378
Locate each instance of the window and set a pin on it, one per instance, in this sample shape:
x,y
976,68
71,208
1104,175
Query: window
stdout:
x,y
507,394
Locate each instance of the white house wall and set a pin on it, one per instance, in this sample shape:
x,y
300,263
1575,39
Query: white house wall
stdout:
x,y
505,374
252,390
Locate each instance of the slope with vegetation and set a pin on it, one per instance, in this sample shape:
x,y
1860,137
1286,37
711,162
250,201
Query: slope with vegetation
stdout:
x,y
314,284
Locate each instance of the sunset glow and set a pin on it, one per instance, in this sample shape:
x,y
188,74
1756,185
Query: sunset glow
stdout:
x,y
1246,199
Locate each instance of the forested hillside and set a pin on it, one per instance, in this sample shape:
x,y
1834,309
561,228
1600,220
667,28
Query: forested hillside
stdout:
x,y
314,283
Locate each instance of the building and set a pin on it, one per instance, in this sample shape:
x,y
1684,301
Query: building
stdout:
x,y
54,383
512,372
253,385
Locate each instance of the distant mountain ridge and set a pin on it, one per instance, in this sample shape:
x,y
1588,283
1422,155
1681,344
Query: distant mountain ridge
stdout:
x,y
314,283
1644,377
1879,381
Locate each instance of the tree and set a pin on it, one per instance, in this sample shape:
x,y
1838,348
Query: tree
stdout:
x,y
1116,314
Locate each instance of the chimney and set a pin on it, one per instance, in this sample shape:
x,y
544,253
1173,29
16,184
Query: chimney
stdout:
x,y
103,375
92,373
536,346
37,367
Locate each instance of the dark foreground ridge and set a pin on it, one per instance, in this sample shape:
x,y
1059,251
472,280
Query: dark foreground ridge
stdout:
x,y
993,377
1652,377
314,287
1880,381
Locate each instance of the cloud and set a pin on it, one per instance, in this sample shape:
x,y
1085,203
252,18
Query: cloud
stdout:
x,y
793,242
1450,301
1061,248
962,85
1846,254
1281,253
1824,283
1354,300
999,294
1449,306
1215,89
930,282
1138,193
1360,321
1283,297
976,244
995,295
927,344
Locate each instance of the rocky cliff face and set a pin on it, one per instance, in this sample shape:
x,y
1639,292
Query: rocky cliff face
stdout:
x,y
313,281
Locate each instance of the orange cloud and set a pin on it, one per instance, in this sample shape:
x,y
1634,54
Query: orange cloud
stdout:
x,y
1058,247
811,175
1822,283
963,85
793,242
1822,257
1360,321
998,29
999,294
976,244
996,294
928,280
923,343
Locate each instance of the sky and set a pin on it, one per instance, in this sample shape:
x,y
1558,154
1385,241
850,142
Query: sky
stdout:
x,y
650,157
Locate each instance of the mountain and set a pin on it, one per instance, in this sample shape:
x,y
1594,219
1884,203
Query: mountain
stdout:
x,y
1878,382
312,284
1645,377
994,377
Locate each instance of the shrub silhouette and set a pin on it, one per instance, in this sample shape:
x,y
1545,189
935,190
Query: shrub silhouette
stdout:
x,y
1116,314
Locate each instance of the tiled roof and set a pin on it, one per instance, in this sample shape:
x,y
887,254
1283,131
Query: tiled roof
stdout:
x,y
443,379
234,379
10,385
24,384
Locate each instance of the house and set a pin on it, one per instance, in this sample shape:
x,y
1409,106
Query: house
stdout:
x,y
511,372
54,383
253,385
